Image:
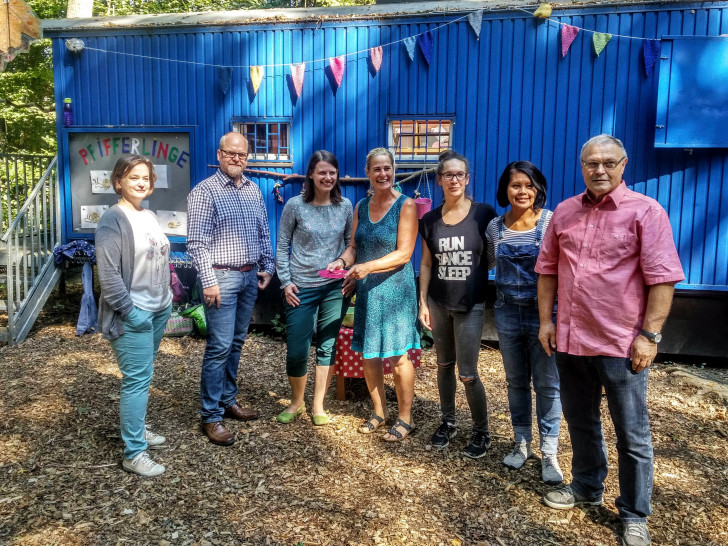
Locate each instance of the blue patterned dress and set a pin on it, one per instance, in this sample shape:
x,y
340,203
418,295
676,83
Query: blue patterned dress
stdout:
x,y
385,314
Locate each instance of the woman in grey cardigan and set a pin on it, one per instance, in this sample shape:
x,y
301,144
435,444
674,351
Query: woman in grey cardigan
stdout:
x,y
132,253
314,230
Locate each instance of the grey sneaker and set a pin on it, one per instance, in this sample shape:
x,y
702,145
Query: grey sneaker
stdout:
x,y
478,446
550,469
152,438
636,534
565,498
143,465
518,457
445,432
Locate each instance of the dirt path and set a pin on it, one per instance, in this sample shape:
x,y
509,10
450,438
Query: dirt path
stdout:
x,y
61,482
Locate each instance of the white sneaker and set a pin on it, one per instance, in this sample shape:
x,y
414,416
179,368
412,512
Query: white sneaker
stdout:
x,y
143,465
550,470
152,438
518,457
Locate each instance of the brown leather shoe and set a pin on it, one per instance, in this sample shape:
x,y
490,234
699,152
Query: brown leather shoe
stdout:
x,y
218,434
236,411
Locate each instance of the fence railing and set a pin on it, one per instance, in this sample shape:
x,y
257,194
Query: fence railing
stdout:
x,y
29,240
19,174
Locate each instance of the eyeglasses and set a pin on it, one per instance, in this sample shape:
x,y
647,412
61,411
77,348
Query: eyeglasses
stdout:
x,y
454,176
608,165
231,155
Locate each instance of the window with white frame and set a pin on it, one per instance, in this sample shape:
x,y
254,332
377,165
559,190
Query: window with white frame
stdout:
x,y
418,140
267,140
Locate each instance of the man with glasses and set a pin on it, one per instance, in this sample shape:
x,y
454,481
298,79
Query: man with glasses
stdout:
x,y
610,256
228,239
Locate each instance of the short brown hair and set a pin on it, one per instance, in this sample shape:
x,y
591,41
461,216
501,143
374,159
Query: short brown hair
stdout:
x,y
124,166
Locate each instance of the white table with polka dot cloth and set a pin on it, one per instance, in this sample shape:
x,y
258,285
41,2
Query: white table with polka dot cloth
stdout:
x,y
348,363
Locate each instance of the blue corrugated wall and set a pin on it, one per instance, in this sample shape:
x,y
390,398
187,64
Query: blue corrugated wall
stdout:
x,y
511,94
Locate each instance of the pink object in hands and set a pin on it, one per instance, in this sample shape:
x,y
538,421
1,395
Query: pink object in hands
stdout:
x,y
336,274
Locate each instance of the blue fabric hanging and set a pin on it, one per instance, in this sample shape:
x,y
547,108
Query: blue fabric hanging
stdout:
x,y
68,251
410,43
88,316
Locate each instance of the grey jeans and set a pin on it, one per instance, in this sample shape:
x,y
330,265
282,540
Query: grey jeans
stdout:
x,y
457,340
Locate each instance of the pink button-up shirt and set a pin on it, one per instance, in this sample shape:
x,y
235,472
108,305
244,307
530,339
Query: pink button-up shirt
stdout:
x,y
606,255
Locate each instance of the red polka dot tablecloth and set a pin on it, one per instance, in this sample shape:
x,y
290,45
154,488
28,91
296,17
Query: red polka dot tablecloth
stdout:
x,y
348,363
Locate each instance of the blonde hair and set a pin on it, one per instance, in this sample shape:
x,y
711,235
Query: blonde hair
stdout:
x,y
370,157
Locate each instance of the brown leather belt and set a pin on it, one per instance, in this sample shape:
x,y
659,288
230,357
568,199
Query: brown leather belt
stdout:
x,y
242,269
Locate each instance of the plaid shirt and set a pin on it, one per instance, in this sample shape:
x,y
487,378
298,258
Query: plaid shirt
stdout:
x,y
227,225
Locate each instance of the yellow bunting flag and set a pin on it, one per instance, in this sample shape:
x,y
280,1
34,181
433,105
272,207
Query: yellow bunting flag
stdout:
x,y
543,11
256,76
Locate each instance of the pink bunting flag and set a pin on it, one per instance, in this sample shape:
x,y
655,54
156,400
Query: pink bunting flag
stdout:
x,y
376,55
568,33
337,65
297,71
256,76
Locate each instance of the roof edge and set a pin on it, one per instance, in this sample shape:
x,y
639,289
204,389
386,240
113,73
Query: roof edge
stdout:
x,y
51,27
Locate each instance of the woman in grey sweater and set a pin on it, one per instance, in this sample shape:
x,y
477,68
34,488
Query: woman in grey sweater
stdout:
x,y
315,229
132,253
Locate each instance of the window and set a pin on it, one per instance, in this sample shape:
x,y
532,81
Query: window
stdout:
x,y
267,140
418,140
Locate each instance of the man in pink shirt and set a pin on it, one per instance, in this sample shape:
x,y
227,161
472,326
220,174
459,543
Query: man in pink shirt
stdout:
x,y
610,256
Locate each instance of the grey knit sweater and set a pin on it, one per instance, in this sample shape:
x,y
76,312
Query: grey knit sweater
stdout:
x,y
115,261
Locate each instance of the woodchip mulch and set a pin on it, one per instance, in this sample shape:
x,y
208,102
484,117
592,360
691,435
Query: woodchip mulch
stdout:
x,y
61,480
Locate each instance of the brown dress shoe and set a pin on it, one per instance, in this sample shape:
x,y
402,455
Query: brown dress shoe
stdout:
x,y
240,413
218,434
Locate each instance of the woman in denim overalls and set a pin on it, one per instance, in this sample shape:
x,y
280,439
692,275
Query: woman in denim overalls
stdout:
x,y
514,240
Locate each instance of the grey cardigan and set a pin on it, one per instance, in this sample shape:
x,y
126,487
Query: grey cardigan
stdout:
x,y
115,262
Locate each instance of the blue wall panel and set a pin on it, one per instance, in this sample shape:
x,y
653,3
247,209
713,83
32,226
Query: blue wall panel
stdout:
x,y
511,94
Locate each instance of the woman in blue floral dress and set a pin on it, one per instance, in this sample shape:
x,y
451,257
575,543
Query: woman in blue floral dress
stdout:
x,y
385,315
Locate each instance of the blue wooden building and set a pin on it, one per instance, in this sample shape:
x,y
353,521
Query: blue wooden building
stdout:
x,y
169,86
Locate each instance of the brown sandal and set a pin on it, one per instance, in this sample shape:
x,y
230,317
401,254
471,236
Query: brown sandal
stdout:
x,y
371,424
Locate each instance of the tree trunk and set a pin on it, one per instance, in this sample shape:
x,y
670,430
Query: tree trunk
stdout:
x,y
79,8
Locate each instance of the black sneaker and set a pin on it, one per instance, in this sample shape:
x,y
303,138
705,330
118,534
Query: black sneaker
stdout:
x,y
478,445
444,434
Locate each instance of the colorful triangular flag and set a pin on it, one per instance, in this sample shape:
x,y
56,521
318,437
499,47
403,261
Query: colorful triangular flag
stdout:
x,y
475,18
337,65
223,78
375,54
256,76
568,33
600,40
297,71
543,11
425,41
410,42
650,53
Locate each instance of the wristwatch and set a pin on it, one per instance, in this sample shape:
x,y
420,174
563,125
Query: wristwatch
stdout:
x,y
654,337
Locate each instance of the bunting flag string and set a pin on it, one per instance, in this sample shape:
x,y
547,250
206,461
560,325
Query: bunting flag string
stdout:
x,y
475,18
256,76
425,41
297,72
375,54
650,53
409,44
600,40
337,65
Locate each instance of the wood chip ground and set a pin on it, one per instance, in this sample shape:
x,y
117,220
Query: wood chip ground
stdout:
x,y
61,480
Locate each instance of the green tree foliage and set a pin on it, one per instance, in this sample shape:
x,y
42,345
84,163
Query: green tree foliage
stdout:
x,y
26,86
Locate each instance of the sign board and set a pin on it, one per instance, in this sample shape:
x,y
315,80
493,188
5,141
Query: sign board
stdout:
x,y
92,156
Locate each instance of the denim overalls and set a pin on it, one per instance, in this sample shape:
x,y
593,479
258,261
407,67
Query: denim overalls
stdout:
x,y
517,322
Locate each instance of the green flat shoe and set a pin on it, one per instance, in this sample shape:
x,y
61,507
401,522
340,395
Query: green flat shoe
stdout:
x,y
320,420
285,417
